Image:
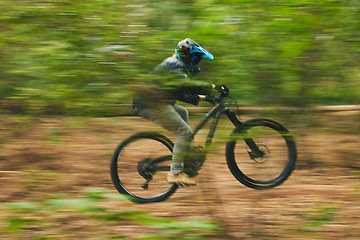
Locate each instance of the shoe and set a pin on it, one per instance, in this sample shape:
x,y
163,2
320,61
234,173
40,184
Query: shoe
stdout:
x,y
180,179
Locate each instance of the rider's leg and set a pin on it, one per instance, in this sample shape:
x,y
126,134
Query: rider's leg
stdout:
x,y
172,118
182,111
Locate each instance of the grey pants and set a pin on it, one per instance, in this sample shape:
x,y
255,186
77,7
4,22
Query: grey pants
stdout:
x,y
174,119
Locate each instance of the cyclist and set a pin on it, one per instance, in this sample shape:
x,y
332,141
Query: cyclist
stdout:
x,y
169,82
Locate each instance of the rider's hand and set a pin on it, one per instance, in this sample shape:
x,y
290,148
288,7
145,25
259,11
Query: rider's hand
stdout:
x,y
211,99
222,89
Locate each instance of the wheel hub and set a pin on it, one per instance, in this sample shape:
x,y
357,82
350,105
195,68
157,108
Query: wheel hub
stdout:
x,y
261,159
146,168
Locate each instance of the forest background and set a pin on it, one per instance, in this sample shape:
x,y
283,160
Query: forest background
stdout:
x,y
67,68
75,57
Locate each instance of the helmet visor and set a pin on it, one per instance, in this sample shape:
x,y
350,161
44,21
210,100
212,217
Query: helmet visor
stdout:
x,y
199,50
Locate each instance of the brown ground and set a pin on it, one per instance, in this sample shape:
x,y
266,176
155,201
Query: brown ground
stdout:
x,y
320,200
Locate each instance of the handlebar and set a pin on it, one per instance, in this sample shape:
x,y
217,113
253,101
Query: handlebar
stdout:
x,y
223,93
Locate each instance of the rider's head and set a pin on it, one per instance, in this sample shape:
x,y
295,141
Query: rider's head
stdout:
x,y
191,53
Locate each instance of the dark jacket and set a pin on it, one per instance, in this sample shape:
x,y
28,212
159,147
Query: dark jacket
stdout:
x,y
170,82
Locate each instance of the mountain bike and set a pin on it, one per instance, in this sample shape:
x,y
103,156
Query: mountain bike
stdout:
x,y
260,153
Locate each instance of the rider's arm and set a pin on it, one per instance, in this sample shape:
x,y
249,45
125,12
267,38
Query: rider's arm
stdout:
x,y
192,97
203,97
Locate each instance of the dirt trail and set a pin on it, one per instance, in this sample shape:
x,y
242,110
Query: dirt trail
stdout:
x,y
321,199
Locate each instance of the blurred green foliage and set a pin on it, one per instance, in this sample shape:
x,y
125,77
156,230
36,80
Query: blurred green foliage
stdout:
x,y
74,57
316,219
54,214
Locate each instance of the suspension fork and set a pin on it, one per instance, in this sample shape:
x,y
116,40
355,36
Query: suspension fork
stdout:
x,y
255,151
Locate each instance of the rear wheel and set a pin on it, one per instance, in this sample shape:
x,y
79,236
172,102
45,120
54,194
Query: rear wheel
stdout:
x,y
140,165
277,155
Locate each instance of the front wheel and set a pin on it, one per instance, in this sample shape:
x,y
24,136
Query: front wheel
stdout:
x,y
140,165
275,158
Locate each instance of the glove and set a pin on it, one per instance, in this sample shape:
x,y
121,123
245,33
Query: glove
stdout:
x,y
211,99
222,89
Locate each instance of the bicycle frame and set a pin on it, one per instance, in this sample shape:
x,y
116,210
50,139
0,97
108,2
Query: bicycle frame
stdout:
x,y
216,112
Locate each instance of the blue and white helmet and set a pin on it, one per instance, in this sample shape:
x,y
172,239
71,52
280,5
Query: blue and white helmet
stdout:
x,y
191,51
